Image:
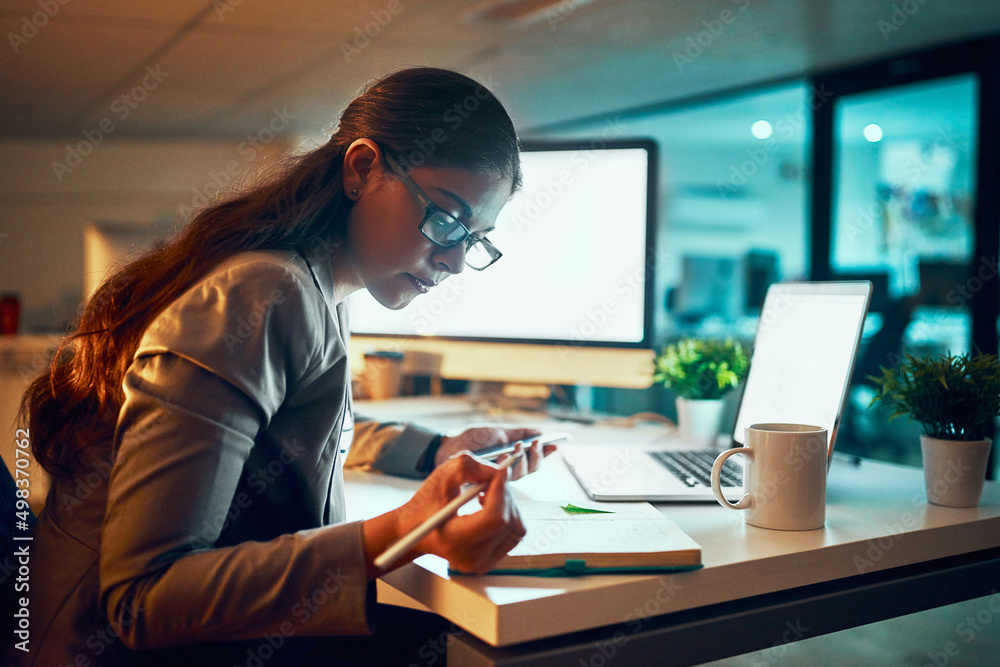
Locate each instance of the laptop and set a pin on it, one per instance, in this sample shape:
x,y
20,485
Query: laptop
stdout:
x,y
804,349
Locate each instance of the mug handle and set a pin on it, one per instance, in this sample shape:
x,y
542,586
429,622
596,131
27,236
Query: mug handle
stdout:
x,y
744,503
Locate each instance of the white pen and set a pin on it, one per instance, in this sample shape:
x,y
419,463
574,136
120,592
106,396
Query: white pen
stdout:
x,y
408,541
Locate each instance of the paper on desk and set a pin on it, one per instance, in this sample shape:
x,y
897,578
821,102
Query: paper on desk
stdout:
x,y
633,527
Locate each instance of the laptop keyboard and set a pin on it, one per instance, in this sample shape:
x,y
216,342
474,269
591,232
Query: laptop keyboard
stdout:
x,y
694,467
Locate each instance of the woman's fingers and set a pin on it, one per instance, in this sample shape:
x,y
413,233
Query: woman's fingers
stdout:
x,y
522,433
489,533
533,455
471,542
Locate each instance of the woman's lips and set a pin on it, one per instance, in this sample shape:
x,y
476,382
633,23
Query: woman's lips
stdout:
x,y
422,286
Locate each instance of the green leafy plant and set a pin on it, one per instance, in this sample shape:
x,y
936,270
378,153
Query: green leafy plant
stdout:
x,y
953,397
701,369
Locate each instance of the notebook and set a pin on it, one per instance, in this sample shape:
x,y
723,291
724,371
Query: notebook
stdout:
x,y
566,540
803,353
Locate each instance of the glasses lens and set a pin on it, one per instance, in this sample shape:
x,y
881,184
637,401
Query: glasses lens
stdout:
x,y
481,254
443,229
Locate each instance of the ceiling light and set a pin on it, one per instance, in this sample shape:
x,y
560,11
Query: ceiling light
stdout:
x,y
873,133
761,129
522,12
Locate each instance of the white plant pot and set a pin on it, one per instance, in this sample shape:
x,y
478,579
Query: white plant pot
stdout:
x,y
698,420
954,470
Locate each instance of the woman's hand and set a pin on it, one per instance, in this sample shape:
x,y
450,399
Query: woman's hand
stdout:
x,y
485,436
471,542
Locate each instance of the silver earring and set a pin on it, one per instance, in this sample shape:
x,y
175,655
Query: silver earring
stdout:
x,y
354,192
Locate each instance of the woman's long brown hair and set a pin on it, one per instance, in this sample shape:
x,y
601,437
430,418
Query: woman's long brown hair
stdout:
x,y
424,115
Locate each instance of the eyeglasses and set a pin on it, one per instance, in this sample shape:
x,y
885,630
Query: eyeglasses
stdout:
x,y
444,229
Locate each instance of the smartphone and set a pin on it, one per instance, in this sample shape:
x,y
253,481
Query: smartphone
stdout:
x,y
493,452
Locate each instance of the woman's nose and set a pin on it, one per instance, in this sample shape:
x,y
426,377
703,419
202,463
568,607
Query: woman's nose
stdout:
x,y
452,259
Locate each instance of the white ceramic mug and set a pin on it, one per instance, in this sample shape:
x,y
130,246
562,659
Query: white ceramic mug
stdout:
x,y
784,476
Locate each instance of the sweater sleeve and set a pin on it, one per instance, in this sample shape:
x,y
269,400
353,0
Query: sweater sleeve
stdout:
x,y
194,403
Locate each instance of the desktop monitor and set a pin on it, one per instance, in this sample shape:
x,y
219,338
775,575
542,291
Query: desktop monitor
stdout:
x,y
710,286
570,301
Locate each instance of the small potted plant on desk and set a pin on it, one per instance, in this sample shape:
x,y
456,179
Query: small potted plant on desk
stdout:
x,y
955,399
701,372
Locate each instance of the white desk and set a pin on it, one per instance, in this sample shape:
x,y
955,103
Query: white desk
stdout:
x,y
882,544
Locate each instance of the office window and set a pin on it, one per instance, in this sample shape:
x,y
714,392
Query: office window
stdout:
x,y
733,208
904,176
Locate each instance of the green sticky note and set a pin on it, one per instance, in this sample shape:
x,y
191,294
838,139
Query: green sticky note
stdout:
x,y
573,509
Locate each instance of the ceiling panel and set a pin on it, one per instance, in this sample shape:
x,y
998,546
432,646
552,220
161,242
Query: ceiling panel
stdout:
x,y
39,111
314,16
66,70
112,11
224,65
164,113
64,55
230,63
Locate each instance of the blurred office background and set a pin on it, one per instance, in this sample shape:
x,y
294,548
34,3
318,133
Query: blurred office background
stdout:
x,y
808,140
801,141
750,195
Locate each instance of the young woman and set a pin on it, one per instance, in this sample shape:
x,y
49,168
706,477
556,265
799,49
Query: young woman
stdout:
x,y
198,421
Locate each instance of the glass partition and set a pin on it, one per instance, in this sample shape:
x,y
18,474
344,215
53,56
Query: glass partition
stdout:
x,y
904,175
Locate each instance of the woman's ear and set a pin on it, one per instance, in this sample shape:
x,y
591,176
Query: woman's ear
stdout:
x,y
361,162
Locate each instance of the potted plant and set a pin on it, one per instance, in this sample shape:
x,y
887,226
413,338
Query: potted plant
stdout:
x,y
955,399
701,372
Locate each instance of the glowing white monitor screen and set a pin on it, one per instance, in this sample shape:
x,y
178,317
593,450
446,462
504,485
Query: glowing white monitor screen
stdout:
x,y
575,260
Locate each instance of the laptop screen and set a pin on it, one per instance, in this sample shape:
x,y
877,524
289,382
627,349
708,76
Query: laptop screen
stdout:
x,y
804,349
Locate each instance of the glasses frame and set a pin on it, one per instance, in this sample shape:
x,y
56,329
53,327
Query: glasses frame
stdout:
x,y
431,209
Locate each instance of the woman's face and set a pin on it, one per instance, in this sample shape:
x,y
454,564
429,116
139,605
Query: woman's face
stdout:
x,y
390,255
